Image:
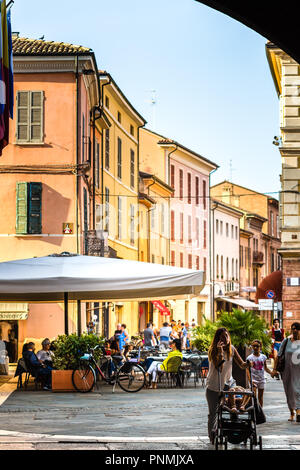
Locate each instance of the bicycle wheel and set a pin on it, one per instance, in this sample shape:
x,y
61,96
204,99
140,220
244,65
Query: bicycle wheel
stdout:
x,y
131,377
83,378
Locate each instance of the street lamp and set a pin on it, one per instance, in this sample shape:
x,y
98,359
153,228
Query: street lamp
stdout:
x,y
213,296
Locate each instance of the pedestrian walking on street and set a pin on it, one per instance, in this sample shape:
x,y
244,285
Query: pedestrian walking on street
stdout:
x,y
220,356
290,352
149,338
277,335
259,362
123,337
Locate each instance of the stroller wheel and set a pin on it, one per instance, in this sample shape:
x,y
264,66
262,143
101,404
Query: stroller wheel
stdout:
x,y
225,443
217,443
251,443
260,443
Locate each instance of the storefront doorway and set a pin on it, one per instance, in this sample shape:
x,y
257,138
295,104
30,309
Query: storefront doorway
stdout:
x,y
9,335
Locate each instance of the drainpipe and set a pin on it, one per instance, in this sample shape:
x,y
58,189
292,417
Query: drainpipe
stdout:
x,y
77,153
102,146
212,251
149,225
94,119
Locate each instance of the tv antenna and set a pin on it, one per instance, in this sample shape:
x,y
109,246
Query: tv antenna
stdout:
x,y
153,102
231,170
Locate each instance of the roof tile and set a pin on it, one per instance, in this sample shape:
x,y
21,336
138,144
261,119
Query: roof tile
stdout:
x,y
26,46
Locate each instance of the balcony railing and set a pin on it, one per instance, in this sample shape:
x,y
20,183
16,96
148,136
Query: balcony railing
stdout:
x,y
231,286
258,257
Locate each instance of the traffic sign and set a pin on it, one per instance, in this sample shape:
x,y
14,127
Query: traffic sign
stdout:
x,y
270,294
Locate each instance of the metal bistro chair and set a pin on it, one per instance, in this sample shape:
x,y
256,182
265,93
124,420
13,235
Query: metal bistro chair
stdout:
x,y
24,368
193,370
172,372
203,370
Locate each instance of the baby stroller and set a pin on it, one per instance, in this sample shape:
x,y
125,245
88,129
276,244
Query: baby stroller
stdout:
x,y
236,427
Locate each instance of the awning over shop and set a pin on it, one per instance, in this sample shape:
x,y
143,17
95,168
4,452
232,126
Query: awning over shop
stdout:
x,y
163,309
244,303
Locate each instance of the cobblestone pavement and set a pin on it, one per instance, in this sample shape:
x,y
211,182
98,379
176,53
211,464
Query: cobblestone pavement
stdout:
x,y
162,419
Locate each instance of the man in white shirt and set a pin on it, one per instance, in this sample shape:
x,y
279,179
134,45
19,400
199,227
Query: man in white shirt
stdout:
x,y
164,335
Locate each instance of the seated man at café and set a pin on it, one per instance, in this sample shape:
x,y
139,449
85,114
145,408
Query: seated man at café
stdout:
x,y
156,366
45,355
36,367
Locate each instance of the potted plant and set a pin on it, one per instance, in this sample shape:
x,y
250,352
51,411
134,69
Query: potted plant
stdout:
x,y
67,351
244,327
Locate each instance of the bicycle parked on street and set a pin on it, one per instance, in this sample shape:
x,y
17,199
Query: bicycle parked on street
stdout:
x,y
129,376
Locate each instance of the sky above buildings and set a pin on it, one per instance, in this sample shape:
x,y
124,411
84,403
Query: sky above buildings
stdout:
x,y
213,89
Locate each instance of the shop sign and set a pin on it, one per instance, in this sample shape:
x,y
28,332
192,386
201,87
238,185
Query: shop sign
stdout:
x,y
265,304
293,281
13,315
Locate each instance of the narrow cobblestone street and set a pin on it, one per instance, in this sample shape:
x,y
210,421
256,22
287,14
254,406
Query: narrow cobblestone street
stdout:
x,y
165,419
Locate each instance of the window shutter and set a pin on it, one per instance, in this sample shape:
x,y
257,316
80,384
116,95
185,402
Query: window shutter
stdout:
x,y
97,165
35,208
21,208
23,116
36,116
132,169
107,149
30,116
119,158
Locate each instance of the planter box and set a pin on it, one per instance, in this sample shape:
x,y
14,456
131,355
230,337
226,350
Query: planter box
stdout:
x,y
62,381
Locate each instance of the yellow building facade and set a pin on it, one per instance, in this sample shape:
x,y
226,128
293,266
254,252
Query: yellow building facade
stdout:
x,y
116,194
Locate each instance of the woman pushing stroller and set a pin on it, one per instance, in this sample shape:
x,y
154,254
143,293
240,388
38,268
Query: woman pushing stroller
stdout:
x,y
220,355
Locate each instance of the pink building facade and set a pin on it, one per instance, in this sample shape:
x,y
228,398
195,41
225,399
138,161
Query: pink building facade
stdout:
x,y
189,175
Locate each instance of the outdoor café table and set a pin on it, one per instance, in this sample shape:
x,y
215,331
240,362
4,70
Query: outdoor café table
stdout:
x,y
186,358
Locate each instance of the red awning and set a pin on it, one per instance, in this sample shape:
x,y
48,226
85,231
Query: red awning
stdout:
x,y
163,309
273,282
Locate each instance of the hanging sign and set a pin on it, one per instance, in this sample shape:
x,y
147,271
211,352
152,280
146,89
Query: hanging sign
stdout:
x,y
163,309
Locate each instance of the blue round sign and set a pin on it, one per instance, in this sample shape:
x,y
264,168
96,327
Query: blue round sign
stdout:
x,y
270,294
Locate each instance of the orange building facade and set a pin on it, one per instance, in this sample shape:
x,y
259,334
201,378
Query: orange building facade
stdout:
x,y
45,173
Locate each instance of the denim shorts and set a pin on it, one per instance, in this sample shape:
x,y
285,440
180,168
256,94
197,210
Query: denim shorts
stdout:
x,y
277,346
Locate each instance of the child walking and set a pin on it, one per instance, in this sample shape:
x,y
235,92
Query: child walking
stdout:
x,y
259,366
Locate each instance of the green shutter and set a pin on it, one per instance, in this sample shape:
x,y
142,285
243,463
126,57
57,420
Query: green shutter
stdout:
x,y
21,208
34,207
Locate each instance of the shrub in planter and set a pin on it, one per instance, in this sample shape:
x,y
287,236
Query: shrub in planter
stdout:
x,y
245,327
69,348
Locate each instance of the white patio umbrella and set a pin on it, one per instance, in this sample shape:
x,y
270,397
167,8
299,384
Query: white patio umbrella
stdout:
x,y
64,277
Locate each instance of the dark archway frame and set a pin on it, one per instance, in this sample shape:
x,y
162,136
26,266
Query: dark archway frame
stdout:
x,y
280,25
